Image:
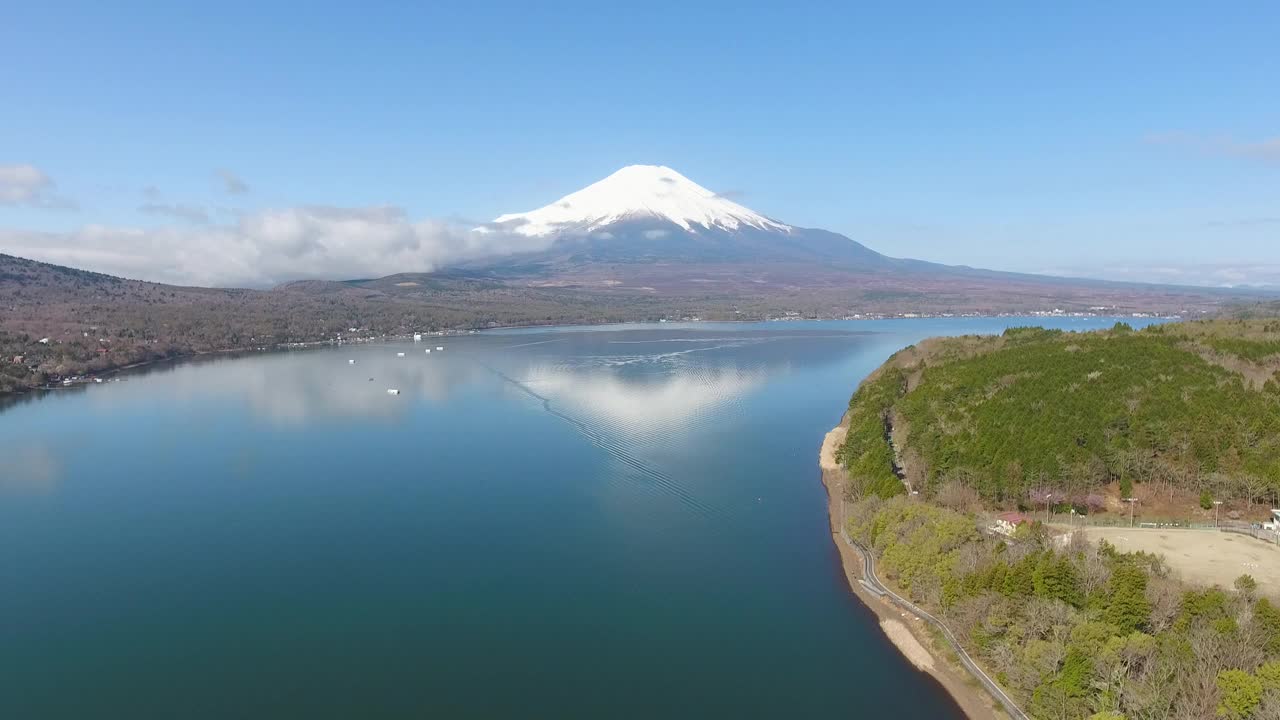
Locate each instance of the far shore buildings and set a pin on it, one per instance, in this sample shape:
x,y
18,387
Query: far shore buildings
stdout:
x,y
1274,522
1007,522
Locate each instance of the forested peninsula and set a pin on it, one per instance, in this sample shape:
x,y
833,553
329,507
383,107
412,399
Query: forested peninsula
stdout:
x,y
958,451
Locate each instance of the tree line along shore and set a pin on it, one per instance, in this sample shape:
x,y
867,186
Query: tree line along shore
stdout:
x,y
58,322
952,431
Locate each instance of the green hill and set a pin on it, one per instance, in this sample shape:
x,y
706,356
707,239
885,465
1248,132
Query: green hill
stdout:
x,y
1071,629
1194,407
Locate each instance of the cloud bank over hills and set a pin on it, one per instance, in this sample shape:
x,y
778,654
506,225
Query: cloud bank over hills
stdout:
x,y
268,247
635,210
1215,275
197,244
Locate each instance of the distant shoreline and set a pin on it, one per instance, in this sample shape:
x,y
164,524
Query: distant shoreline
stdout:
x,y
88,378
907,633
112,370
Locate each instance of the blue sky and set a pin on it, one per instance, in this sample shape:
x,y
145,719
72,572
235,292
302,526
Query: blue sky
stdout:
x,y
1096,138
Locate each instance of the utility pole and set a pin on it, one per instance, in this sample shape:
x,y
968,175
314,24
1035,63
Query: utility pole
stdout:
x,y
1216,505
1131,501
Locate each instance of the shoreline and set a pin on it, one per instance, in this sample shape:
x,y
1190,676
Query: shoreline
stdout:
x,y
907,633
114,370
536,326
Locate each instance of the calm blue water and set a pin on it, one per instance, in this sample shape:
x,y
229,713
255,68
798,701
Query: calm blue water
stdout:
x,y
620,522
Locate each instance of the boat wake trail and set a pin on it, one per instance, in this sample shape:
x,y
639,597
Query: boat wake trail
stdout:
x,y
615,449
528,344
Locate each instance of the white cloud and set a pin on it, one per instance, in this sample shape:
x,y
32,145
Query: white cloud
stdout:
x,y
1266,150
232,182
1247,222
1242,275
271,246
312,389
659,405
29,185
190,213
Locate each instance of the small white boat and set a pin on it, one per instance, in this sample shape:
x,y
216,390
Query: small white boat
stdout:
x,y
392,391
417,337
351,362
439,347
399,354
428,351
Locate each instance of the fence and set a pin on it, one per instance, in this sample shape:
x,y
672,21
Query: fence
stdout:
x,y
1137,521
1262,534
1231,526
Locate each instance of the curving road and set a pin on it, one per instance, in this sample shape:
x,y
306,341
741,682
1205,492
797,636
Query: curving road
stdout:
x,y
872,582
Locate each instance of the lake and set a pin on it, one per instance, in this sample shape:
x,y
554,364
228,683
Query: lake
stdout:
x,y
621,521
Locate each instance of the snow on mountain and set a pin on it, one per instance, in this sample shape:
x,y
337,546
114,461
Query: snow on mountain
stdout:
x,y
638,192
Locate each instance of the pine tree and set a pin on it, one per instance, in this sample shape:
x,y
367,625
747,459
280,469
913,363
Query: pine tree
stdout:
x,y
1067,582
996,579
1241,693
1267,618
1018,581
1128,608
1269,675
1042,579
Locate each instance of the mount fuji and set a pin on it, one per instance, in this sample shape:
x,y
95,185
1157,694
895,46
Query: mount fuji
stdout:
x,y
646,233
639,192
653,214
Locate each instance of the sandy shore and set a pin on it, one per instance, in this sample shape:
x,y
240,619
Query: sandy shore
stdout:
x,y
908,644
907,632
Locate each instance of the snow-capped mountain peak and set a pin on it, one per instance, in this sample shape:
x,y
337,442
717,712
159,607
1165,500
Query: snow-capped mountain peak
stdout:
x,y
638,192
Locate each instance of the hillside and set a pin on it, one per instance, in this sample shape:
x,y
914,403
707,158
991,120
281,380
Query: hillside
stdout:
x,y
1175,411
1077,630
1176,415
96,322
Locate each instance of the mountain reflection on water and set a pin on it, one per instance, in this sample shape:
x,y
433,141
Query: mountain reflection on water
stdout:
x,y
644,380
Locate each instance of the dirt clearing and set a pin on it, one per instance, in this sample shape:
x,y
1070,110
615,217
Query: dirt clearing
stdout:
x,y
1202,557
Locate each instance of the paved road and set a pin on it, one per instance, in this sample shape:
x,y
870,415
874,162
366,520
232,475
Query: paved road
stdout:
x,y
874,584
